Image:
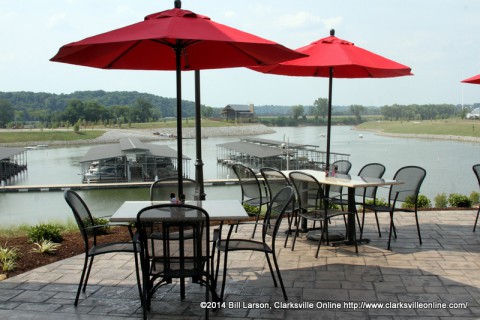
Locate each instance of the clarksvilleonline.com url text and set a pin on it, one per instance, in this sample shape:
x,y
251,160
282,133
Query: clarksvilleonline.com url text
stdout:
x,y
354,305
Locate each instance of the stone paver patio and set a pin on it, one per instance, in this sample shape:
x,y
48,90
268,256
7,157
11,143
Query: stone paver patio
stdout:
x,y
439,279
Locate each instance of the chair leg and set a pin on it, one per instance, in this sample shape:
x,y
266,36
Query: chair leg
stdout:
x,y
88,273
279,276
324,229
137,274
392,227
271,269
378,225
81,280
418,227
256,220
289,220
476,220
295,236
362,225
358,221
224,273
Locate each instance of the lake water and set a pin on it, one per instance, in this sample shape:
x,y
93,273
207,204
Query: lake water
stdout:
x,y
448,164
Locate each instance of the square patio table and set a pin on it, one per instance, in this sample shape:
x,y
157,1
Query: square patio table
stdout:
x,y
218,210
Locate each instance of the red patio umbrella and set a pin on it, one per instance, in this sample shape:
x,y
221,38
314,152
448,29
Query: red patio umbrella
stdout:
x,y
473,80
177,40
332,57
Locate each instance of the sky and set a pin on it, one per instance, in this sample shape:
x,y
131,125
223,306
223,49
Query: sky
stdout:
x,y
439,40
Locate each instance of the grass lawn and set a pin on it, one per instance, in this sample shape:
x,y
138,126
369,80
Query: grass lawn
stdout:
x,y
96,131
453,127
186,123
48,135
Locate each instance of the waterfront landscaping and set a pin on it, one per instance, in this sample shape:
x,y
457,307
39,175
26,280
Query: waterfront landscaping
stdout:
x,y
429,129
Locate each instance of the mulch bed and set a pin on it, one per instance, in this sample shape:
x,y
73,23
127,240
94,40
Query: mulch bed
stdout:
x,y
71,245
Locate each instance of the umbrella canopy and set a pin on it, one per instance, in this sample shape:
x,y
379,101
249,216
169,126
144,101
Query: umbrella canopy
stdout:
x,y
473,80
332,57
177,40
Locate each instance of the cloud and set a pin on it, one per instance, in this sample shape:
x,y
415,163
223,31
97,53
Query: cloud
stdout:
x,y
303,20
332,22
229,14
56,19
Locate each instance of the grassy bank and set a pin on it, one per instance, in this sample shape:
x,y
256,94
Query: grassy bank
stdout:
x,y
186,123
48,135
451,127
92,132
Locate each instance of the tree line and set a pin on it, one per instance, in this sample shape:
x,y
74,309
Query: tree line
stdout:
x,y
116,108
93,107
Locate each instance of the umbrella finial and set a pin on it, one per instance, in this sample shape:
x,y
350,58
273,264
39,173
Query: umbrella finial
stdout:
x,y
332,32
178,4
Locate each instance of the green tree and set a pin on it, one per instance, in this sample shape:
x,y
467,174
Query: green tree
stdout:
x,y
320,108
120,112
94,112
7,113
357,110
207,111
298,111
74,111
142,111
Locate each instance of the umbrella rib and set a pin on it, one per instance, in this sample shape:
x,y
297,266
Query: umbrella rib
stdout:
x,y
109,66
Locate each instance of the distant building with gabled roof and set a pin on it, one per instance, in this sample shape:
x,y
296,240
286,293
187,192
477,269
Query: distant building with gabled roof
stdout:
x,y
238,111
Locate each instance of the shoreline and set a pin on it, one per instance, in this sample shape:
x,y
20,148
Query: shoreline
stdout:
x,y
421,136
114,135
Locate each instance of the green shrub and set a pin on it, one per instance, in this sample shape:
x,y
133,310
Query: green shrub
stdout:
x,y
459,200
8,257
475,197
44,232
46,246
422,202
99,222
378,202
251,210
441,200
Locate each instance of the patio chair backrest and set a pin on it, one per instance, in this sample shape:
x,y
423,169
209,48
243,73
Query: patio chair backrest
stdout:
x,y
251,187
476,170
412,178
274,179
162,188
310,194
371,170
83,217
184,250
276,212
342,166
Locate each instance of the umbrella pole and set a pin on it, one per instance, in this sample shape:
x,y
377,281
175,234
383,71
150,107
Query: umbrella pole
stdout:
x,y
198,137
179,121
329,116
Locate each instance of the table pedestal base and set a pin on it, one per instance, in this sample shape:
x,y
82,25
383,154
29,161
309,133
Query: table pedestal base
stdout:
x,y
332,236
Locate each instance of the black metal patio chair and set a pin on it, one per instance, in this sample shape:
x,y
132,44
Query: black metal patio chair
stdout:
x,y
176,256
476,170
412,178
89,231
314,206
254,191
273,218
276,181
163,188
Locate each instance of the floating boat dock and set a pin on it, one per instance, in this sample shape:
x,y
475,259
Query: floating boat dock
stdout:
x,y
93,186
